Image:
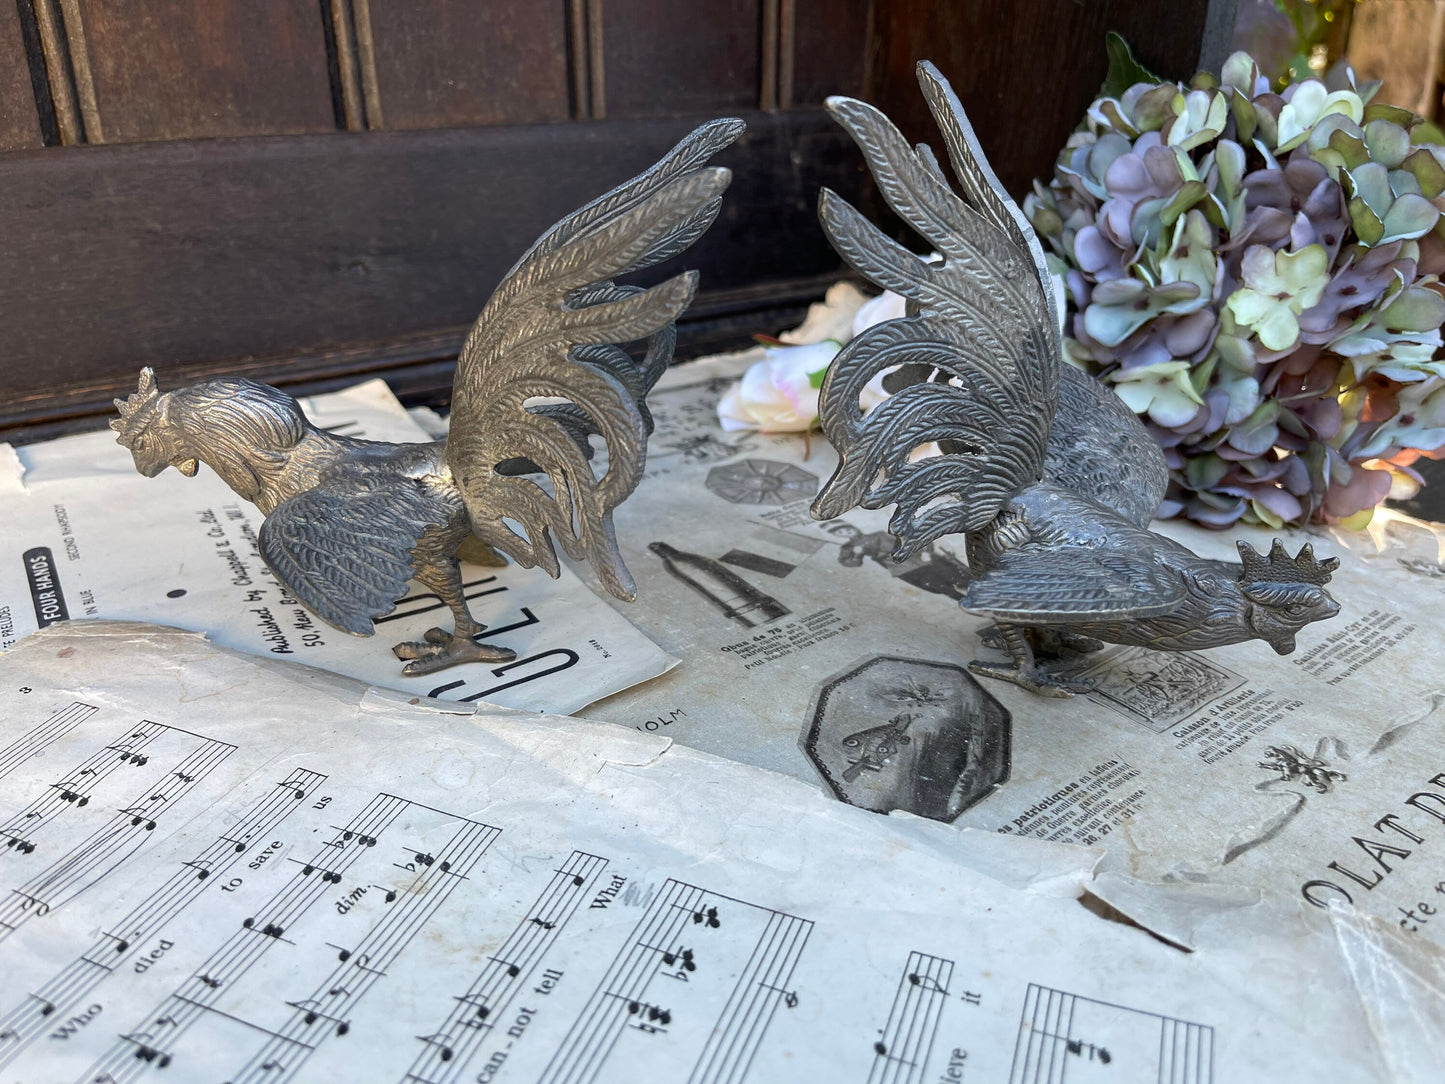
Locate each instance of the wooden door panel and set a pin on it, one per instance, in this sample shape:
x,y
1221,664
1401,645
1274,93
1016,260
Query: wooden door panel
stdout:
x,y
829,47
289,258
187,69
661,57
1025,70
442,64
19,117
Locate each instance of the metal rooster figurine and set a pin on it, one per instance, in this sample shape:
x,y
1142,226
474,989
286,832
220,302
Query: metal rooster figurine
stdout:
x,y
350,522
1049,477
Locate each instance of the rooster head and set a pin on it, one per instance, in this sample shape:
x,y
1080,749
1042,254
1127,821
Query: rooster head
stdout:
x,y
145,428
1283,593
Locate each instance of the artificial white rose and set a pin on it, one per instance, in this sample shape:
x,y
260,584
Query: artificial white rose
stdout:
x,y
886,306
779,394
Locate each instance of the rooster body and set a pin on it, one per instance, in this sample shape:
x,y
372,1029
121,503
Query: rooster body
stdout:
x,y
1051,479
349,522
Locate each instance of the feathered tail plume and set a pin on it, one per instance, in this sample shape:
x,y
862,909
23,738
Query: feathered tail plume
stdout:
x,y
552,330
984,321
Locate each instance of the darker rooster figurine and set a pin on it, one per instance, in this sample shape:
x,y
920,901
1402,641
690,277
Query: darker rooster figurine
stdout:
x,y
1049,477
349,522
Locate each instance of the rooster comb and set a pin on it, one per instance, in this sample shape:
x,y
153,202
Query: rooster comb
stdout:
x,y
1280,567
134,412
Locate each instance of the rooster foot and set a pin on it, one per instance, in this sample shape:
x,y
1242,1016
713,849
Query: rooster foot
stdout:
x,y
1032,678
1055,645
442,649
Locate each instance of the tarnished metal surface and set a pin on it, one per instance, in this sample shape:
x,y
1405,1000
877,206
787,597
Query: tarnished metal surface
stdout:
x,y
1051,480
349,522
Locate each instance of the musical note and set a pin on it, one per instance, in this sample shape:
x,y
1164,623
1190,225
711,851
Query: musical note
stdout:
x,y
709,916
670,958
149,1054
543,923
424,859
1077,1046
206,980
651,1012
926,982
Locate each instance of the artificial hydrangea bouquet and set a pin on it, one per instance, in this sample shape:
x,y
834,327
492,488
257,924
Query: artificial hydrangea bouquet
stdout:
x,y
1255,274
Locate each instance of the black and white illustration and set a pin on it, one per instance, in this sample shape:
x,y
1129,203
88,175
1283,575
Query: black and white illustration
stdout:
x,y
1433,570
726,591
931,569
762,481
709,447
1158,689
893,733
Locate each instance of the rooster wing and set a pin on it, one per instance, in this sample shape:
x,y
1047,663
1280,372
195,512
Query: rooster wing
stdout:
x,y
344,547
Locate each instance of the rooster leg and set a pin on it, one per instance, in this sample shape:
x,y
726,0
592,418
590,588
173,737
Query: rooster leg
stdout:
x,y
1054,645
1023,671
440,648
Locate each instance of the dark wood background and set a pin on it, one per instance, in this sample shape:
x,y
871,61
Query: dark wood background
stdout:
x,y
310,191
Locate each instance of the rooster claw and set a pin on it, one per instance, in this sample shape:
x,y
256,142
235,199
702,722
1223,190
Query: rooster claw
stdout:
x,y
1032,679
442,649
1054,644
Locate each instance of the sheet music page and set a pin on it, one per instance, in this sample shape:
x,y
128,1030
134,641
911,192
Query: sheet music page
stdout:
x,y
86,536
222,867
1313,777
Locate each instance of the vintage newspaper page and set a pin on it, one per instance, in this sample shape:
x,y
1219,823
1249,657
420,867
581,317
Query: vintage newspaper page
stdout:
x,y
225,867
1313,777
86,536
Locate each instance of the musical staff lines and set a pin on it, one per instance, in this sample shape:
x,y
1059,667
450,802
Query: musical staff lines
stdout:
x,y
678,938
32,741
325,1012
74,789
763,984
1064,1036
110,844
447,1051
30,1017
152,1041
901,1054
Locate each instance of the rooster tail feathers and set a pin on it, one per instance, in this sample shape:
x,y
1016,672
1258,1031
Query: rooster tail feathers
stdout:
x,y
975,176
690,154
982,325
553,330
890,455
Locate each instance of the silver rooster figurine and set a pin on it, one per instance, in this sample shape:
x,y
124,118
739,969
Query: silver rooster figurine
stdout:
x,y
1049,477
350,522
